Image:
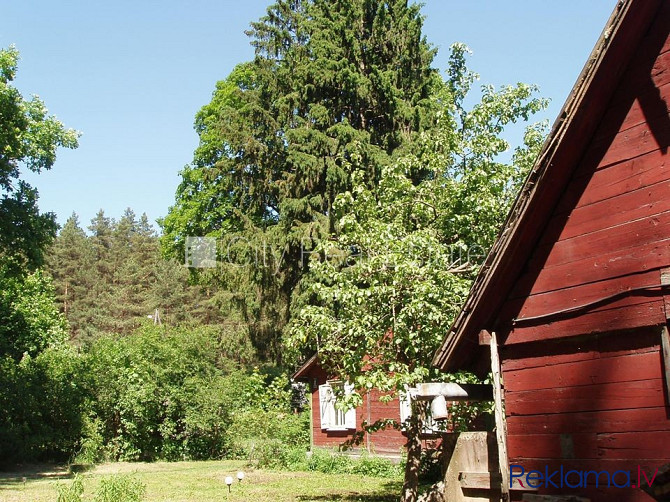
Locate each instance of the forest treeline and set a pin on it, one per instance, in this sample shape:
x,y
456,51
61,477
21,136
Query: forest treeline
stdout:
x,y
111,277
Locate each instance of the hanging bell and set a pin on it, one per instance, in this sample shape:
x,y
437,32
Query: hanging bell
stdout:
x,y
438,408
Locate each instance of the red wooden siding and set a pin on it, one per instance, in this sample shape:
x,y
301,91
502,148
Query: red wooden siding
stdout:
x,y
582,362
597,403
386,442
610,232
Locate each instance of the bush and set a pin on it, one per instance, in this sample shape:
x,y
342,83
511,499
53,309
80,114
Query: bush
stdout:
x,y
71,493
278,455
160,394
164,393
120,488
254,433
43,400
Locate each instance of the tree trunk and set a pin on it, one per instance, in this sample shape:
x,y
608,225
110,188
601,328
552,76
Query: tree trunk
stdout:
x,y
410,486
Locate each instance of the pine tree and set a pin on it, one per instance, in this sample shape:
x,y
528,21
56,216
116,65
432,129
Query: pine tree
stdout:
x,y
71,263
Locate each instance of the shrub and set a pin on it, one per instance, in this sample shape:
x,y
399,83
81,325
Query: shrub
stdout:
x,y
254,432
330,462
43,401
120,488
72,492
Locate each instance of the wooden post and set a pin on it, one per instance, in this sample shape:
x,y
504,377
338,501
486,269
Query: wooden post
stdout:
x,y
665,350
501,422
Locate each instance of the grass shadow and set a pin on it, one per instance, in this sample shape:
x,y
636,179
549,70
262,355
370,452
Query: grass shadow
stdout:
x,y
17,475
390,492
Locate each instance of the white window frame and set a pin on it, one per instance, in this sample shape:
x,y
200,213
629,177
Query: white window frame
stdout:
x,y
332,417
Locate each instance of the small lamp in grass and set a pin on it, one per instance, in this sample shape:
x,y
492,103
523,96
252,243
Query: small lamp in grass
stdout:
x,y
240,476
229,481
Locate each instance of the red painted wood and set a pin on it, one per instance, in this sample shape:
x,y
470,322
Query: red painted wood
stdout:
x,y
601,321
388,441
617,225
640,366
602,493
554,301
609,232
609,396
585,445
654,66
629,144
613,181
629,96
607,421
608,265
651,445
567,350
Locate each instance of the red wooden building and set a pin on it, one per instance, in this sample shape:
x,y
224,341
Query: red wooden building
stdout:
x,y
576,288
332,427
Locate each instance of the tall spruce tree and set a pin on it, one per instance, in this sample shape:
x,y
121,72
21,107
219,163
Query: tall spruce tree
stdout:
x,y
335,89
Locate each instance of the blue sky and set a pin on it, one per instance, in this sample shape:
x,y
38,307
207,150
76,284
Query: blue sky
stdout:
x,y
132,74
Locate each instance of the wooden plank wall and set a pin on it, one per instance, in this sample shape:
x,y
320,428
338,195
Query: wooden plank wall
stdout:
x,y
387,442
594,402
586,389
611,230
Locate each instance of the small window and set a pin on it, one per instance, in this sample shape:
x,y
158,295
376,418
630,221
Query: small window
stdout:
x,y
332,417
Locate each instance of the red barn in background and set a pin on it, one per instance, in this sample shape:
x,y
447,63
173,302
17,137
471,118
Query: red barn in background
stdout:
x,y
576,288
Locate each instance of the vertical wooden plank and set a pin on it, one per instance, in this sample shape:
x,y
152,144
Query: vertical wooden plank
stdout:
x,y
501,422
369,420
665,349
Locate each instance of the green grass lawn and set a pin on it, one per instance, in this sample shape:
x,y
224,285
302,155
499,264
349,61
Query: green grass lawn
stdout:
x,y
203,482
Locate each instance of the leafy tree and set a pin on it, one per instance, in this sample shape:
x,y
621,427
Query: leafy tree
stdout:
x,y
383,294
29,137
169,393
336,87
29,319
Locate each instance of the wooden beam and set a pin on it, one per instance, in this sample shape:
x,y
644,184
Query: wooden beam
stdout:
x,y
484,337
501,422
455,391
665,349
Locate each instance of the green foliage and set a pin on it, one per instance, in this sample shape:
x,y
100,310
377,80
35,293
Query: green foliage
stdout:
x,y
141,386
368,465
110,281
172,393
71,492
43,401
276,454
116,488
258,434
334,90
381,294
29,320
120,488
380,297
29,137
